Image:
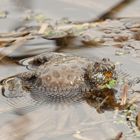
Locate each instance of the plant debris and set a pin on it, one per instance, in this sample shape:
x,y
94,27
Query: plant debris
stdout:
x,y
138,120
119,136
109,32
3,14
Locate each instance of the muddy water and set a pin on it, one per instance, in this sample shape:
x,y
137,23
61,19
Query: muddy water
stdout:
x,y
65,122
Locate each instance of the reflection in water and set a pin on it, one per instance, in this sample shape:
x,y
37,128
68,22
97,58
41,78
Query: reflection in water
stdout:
x,y
75,114
78,112
100,100
26,92
20,126
23,92
103,100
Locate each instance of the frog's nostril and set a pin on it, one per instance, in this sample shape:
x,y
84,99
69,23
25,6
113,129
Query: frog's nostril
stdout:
x,y
104,59
96,65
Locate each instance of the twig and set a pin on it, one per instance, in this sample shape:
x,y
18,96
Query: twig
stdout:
x,y
101,104
111,12
134,99
14,34
118,136
124,94
17,43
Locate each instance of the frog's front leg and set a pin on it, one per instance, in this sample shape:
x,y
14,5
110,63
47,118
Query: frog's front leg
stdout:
x,y
17,85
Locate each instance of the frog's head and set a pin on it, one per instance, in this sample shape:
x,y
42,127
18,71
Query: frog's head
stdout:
x,y
104,74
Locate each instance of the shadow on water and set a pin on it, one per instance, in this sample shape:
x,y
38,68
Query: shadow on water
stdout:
x,y
70,116
101,100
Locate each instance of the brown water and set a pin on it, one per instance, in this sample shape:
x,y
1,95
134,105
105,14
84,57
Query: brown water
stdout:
x,y
74,121
68,121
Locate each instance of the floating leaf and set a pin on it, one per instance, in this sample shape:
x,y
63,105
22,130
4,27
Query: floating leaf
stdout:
x,y
64,21
111,84
55,34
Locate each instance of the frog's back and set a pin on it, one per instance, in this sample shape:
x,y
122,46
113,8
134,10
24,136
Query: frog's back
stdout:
x,y
65,78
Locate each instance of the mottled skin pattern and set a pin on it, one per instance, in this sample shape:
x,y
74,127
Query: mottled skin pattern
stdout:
x,y
56,77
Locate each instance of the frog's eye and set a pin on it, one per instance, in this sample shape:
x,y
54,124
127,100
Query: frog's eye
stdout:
x,y
108,74
96,65
99,75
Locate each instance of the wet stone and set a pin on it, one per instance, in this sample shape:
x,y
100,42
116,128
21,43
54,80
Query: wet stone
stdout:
x,y
118,45
120,38
135,29
137,36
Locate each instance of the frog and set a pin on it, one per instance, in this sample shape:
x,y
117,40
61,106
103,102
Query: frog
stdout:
x,y
57,77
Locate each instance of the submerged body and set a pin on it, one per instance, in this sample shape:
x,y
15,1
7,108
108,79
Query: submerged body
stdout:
x,y
58,77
